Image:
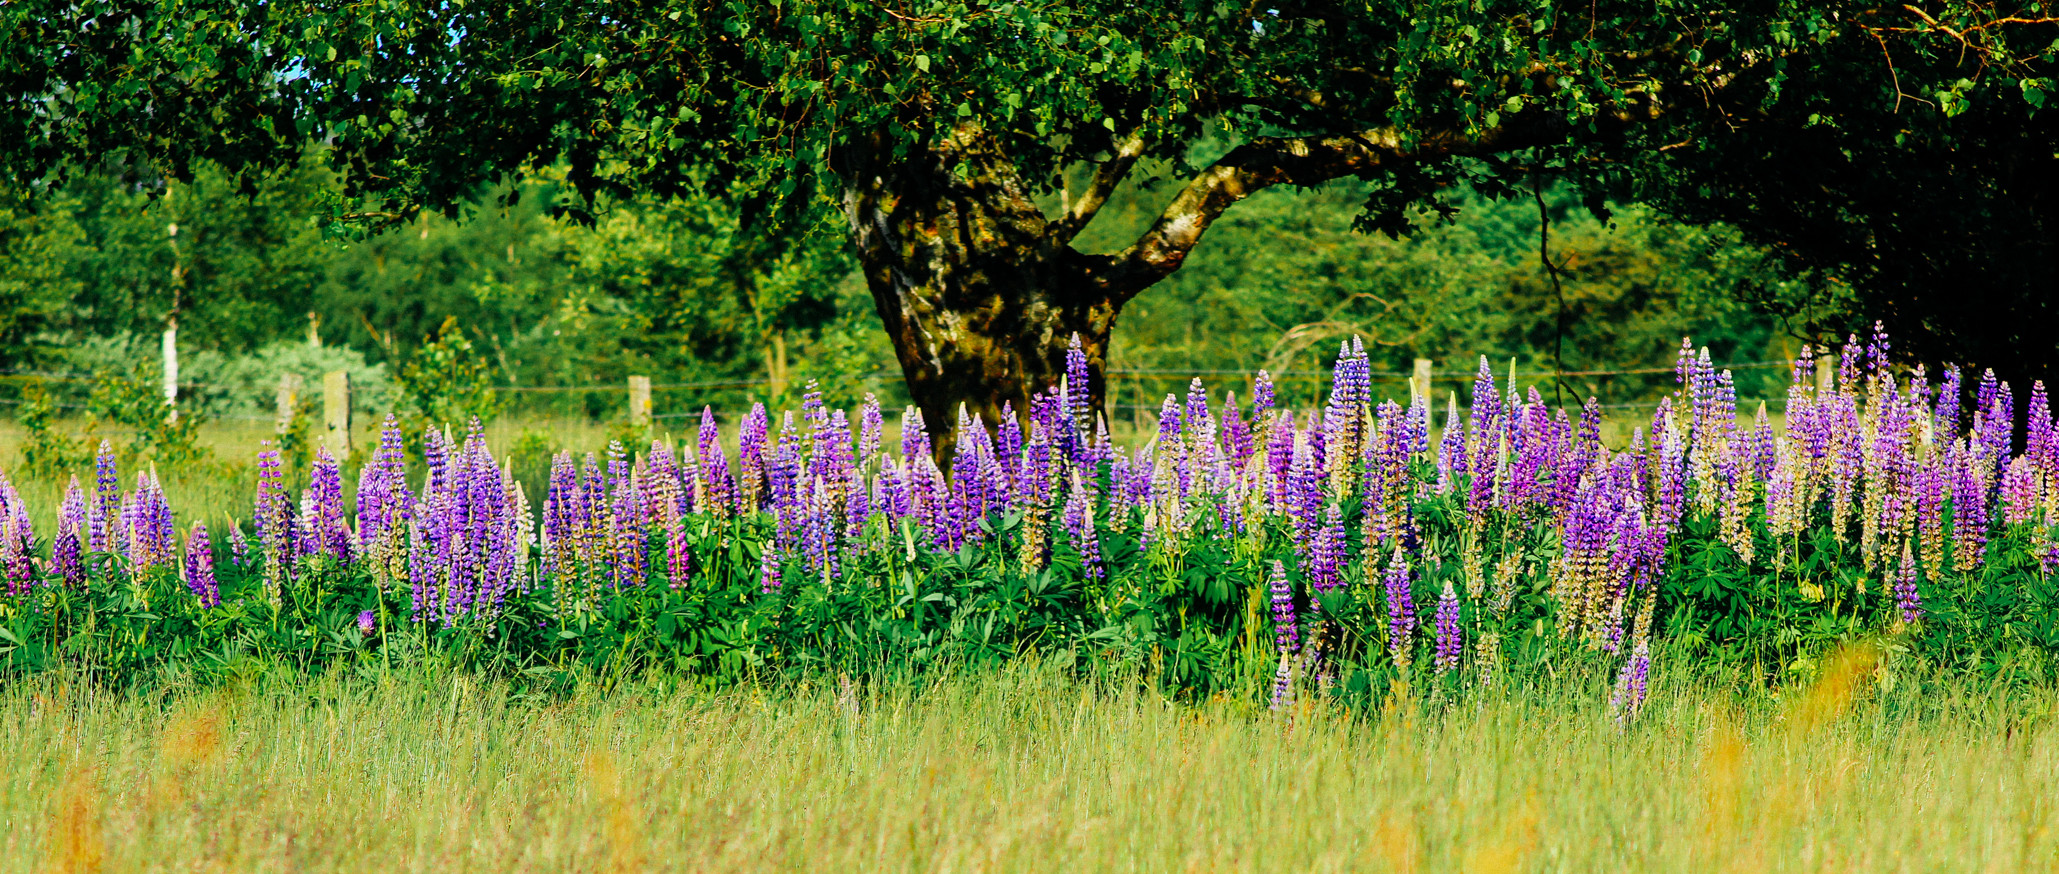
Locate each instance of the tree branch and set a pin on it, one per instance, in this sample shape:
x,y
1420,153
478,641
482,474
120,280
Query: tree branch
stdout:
x,y
1106,177
1268,161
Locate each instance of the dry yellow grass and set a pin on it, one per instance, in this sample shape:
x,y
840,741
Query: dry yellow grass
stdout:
x,y
1017,771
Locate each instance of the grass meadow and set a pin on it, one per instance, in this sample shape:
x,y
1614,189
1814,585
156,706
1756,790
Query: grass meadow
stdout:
x,y
1019,770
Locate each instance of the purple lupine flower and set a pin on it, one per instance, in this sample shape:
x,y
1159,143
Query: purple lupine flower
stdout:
x,y
678,552
1945,417
1971,478
367,623
67,550
1279,460
625,539
1079,526
239,547
273,515
1078,390
914,436
1237,433
1401,610
561,520
1449,642
328,533
1488,429
1261,397
750,459
1877,349
871,429
768,569
1451,449
1286,634
1169,422
200,567
2038,440
1907,598
712,468
382,501
151,537
1326,552
1632,684
17,541
107,497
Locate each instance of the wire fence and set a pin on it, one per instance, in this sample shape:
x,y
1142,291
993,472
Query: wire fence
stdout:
x,y
1128,386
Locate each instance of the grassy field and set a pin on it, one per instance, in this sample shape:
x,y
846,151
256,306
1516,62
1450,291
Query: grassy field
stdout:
x,y
1017,771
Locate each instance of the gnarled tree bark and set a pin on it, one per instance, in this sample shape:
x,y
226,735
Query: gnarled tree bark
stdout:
x,y
981,292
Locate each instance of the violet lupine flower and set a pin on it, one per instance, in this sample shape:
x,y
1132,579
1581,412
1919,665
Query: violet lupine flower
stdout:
x,y
896,500
915,440
871,429
678,552
1632,684
2038,441
1945,417
1326,552
107,497
1971,478
1451,449
1344,417
1449,642
1907,598
561,520
367,623
1035,470
149,534
1876,351
273,516
17,541
1995,421
1489,429
711,468
750,459
199,563
1286,634
626,538
1401,610
383,501
329,533
768,569
239,547
1929,488
783,488
1170,424
1237,434
1261,397
67,551
2019,491
1279,461
1078,391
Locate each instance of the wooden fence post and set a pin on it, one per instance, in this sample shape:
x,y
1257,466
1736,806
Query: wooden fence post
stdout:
x,y
289,396
336,412
1826,373
640,401
1419,381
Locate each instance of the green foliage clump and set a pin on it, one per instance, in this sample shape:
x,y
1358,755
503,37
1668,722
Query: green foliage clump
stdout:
x,y
446,382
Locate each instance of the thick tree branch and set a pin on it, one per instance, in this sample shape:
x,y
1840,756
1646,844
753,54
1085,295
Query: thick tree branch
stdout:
x,y
1311,160
1106,177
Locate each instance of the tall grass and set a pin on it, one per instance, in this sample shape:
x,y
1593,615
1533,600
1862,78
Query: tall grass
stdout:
x,y
1019,770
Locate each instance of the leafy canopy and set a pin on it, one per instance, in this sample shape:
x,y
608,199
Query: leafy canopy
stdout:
x,y
425,102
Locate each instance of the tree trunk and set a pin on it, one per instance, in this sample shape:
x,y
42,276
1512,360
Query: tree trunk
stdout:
x,y
982,293
980,299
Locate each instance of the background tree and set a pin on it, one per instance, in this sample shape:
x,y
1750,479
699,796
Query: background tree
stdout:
x,y
967,145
